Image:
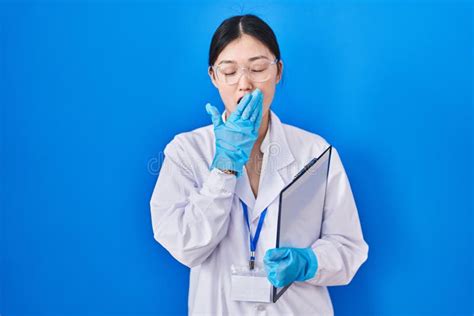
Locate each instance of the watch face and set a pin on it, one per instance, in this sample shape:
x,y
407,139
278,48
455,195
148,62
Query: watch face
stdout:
x,y
227,171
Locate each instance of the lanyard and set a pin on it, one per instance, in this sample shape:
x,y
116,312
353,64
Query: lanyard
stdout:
x,y
253,240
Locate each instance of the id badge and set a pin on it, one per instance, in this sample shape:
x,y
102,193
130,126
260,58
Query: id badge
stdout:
x,y
250,285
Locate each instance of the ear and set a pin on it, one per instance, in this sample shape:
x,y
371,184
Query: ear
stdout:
x,y
212,75
280,72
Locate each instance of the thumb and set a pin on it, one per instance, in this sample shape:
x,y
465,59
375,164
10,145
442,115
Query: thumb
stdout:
x,y
215,115
276,254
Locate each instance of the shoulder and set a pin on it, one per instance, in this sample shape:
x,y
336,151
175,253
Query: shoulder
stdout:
x,y
186,141
308,145
303,140
188,149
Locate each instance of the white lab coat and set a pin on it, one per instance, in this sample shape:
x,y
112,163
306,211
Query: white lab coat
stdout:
x,y
197,216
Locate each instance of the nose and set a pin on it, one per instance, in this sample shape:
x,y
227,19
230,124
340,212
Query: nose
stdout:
x,y
244,83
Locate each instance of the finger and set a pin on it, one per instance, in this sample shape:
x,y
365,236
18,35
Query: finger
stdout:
x,y
256,119
272,276
256,96
275,254
258,102
257,112
215,115
271,267
241,106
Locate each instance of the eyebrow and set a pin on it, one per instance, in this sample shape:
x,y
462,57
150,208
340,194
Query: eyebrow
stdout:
x,y
250,59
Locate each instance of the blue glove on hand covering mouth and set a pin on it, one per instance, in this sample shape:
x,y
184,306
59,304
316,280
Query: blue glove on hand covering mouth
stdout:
x,y
286,265
235,138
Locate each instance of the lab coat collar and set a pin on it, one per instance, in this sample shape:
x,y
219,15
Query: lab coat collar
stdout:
x,y
274,176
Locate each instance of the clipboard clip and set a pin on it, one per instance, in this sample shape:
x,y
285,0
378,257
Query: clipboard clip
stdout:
x,y
312,162
308,165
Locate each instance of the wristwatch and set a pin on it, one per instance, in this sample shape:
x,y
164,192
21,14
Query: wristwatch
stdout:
x,y
228,171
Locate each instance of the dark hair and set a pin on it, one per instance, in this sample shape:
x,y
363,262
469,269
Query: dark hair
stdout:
x,y
234,27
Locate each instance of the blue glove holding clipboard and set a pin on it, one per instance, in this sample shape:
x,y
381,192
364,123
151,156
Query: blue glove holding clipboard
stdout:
x,y
286,265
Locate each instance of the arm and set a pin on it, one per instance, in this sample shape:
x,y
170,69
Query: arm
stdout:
x,y
188,221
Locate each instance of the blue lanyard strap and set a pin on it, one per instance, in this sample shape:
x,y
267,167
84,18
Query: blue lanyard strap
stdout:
x,y
253,240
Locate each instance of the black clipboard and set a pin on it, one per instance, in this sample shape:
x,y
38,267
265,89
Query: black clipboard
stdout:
x,y
312,166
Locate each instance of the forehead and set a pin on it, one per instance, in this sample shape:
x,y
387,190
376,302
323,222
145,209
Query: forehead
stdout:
x,y
243,49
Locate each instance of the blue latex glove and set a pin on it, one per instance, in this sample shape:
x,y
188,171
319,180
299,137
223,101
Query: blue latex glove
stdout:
x,y
235,138
285,265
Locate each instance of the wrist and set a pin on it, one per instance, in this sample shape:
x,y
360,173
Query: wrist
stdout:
x,y
228,171
226,164
312,263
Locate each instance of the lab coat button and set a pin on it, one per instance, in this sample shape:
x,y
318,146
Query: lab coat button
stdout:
x,y
260,308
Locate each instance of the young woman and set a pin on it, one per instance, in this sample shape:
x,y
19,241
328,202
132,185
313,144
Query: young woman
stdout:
x,y
219,184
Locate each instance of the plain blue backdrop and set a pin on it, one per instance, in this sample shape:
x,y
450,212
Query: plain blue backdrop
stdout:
x,y
92,91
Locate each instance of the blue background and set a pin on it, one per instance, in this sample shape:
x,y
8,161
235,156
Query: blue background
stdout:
x,y
91,92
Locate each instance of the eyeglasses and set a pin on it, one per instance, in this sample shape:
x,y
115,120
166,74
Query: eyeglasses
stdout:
x,y
257,71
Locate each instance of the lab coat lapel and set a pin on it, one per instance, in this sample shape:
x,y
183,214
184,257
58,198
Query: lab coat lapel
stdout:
x,y
244,191
275,174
